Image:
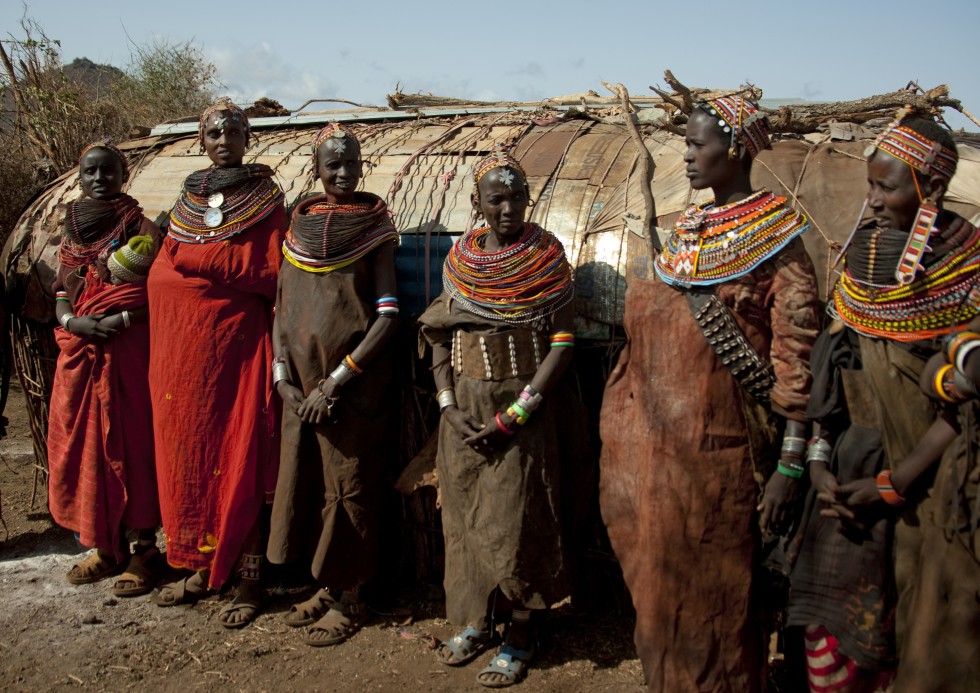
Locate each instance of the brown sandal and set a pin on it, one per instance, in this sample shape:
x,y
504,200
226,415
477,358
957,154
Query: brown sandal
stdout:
x,y
335,626
142,572
308,612
93,569
180,592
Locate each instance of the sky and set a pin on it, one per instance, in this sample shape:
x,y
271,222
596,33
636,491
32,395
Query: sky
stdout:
x,y
518,50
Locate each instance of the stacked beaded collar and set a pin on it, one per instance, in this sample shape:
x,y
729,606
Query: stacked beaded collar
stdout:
x,y
945,294
93,228
524,282
324,237
710,245
218,203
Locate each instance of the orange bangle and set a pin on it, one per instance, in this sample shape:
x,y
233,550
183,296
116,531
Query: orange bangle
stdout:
x,y
885,488
350,362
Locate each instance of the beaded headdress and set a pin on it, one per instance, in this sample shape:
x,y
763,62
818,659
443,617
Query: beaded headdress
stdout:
x,y
334,131
749,127
234,112
923,154
106,143
501,159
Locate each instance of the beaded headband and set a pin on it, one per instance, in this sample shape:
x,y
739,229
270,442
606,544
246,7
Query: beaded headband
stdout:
x,y
501,159
918,151
335,131
748,125
235,113
106,143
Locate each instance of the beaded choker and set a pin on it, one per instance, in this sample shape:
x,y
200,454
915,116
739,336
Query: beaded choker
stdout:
x,y
324,237
95,227
944,294
711,244
218,203
524,282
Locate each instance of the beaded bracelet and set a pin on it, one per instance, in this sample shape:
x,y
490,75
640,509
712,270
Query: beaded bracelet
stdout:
x,y
65,317
792,472
885,488
530,398
500,425
446,397
388,307
62,296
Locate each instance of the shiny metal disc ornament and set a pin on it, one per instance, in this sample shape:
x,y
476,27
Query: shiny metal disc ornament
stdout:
x,y
213,217
216,200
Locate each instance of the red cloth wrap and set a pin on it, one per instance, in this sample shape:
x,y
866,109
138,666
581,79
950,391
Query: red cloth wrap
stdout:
x,y
100,430
214,415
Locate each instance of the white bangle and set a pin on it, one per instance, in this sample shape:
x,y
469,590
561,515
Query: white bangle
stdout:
x,y
125,316
342,374
65,317
963,352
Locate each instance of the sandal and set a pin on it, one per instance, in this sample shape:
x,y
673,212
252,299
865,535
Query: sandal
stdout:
x,y
463,647
309,612
93,569
509,662
334,627
142,574
180,592
239,605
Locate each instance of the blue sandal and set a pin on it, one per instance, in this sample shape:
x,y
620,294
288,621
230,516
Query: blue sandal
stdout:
x,y
465,646
509,662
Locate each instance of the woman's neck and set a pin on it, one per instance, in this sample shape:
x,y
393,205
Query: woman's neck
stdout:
x,y
732,191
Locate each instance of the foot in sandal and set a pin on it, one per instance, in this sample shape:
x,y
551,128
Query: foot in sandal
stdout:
x,y
97,566
141,574
342,620
310,611
185,591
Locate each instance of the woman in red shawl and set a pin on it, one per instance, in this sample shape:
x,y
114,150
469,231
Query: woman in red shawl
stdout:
x,y
100,451
211,297
684,430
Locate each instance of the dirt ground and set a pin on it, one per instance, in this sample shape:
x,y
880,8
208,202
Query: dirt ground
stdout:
x,y
56,636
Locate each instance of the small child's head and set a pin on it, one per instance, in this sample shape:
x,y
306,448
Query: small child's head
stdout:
x,y
131,263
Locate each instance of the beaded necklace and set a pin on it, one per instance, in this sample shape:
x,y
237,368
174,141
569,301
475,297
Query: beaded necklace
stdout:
x,y
944,294
94,227
524,282
217,203
324,237
712,244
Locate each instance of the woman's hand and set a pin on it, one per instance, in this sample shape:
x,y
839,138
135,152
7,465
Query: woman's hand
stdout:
x,y
90,327
318,405
490,433
777,501
466,426
822,480
291,395
849,500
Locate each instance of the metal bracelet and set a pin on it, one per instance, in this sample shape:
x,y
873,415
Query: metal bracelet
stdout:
x,y
794,445
65,317
446,398
819,451
279,372
342,374
125,317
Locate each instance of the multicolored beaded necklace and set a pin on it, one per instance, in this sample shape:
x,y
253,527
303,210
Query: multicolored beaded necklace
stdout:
x,y
712,244
94,227
324,237
944,295
242,196
524,282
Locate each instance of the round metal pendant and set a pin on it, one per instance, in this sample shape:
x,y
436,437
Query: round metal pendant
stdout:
x,y
216,200
213,217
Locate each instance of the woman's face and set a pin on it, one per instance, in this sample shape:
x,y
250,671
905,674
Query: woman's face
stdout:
x,y
100,173
339,168
706,153
504,201
892,194
225,139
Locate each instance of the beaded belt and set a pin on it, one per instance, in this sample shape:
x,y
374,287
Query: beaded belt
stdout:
x,y
731,345
498,356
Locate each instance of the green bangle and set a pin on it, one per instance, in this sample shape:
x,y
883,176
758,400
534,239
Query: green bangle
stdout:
x,y
788,471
